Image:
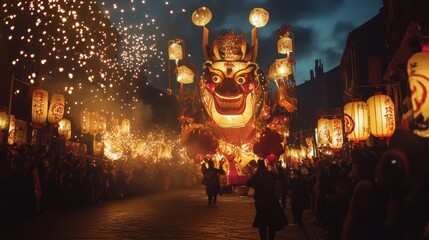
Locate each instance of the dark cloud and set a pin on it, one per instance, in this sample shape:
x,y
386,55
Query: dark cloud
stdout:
x,y
331,56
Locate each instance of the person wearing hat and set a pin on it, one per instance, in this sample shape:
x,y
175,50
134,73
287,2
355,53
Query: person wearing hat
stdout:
x,y
269,213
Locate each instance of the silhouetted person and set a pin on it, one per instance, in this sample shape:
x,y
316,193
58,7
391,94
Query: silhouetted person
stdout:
x,y
269,213
298,196
211,180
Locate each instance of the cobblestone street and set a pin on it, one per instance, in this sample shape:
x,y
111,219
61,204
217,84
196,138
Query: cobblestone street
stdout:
x,y
176,214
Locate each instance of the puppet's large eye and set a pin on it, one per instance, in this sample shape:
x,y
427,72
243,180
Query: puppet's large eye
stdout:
x,y
241,80
216,79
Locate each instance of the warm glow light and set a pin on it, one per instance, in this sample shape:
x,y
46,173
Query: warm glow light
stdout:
x,y
259,17
356,120
323,131
418,75
381,115
39,111
201,16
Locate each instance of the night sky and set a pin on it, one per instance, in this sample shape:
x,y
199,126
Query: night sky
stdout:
x,y
320,28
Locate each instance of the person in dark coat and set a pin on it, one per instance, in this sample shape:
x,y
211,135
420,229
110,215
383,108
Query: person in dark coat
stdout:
x,y
299,197
269,213
211,180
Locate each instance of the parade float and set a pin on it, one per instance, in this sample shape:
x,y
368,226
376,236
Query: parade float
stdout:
x,y
245,117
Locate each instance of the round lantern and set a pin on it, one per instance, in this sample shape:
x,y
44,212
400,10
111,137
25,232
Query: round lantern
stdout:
x,y
418,76
93,123
175,51
259,17
64,129
336,133
356,120
56,108
39,107
284,44
381,115
125,126
85,118
4,120
284,67
12,133
323,131
201,16
185,75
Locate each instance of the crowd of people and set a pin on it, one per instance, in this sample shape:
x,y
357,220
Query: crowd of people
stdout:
x,y
34,180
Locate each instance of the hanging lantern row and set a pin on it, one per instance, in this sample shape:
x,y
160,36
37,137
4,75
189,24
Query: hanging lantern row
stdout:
x,y
40,111
376,117
330,133
418,76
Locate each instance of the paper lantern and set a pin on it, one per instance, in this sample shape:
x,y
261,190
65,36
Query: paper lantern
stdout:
x,y
418,77
102,124
272,72
4,120
284,44
356,120
12,132
381,115
64,129
125,126
309,147
93,123
85,118
39,107
259,17
284,67
185,75
336,133
323,131
201,16
175,51
56,108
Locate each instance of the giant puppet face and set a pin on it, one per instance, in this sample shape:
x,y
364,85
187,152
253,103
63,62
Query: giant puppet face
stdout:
x,y
230,86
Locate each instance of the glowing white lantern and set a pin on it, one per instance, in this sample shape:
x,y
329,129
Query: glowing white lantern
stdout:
x,y
284,44
418,76
381,115
259,17
309,147
272,72
12,132
185,75
336,132
201,16
85,118
356,120
323,131
93,123
175,51
64,129
284,67
4,120
39,107
125,126
56,108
